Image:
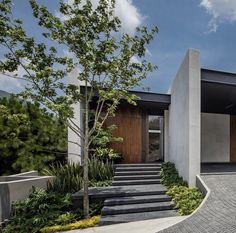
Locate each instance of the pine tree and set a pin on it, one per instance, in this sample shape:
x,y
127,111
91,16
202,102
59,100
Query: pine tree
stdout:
x,y
30,137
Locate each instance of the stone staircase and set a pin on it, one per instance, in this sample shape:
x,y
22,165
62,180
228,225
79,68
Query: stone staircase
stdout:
x,y
143,197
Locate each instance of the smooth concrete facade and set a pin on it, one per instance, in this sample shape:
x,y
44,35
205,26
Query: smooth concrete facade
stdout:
x,y
215,137
74,141
18,187
184,118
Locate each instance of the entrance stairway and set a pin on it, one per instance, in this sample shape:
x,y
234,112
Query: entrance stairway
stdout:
x,y
144,197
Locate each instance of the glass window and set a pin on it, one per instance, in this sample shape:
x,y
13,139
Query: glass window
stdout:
x,y
155,138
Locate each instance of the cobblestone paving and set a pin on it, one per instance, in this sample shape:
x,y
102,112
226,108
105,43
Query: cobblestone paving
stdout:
x,y
218,214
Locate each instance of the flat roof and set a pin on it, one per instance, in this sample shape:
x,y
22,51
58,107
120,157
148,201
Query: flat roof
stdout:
x,y
218,92
217,76
152,97
153,103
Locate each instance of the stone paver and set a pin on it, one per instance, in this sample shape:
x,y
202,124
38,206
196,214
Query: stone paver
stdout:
x,y
218,213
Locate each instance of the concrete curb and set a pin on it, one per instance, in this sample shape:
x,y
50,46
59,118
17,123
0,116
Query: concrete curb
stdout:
x,y
205,190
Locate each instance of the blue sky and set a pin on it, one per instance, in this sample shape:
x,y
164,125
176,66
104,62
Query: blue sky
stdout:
x,y
206,25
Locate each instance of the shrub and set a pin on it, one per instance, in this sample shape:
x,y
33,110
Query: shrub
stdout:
x,y
101,139
107,154
186,199
170,176
85,223
40,209
104,183
99,170
69,177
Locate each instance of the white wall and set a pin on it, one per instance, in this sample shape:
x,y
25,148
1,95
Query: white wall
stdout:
x,y
166,135
184,118
18,187
74,150
215,137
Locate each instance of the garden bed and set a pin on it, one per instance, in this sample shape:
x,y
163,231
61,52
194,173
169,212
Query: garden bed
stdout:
x,y
186,199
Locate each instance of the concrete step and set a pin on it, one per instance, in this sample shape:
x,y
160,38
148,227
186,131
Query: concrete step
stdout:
x,y
139,165
124,218
136,173
121,191
136,200
136,208
137,177
135,182
133,169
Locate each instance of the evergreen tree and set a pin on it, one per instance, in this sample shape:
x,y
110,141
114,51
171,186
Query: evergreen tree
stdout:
x,y
30,137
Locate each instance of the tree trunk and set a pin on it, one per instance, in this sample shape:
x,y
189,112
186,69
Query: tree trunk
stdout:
x,y
86,149
86,181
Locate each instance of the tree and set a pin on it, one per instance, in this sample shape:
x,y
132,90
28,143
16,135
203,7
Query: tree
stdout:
x,y
102,54
30,137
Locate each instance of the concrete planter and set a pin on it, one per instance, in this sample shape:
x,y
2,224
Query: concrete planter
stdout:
x,y
18,187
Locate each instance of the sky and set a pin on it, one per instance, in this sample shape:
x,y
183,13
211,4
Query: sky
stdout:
x,y
206,25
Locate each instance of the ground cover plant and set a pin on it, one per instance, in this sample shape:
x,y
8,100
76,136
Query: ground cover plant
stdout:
x,y
81,224
186,199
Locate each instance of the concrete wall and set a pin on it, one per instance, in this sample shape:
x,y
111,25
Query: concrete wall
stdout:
x,y
166,135
215,137
74,150
184,118
14,188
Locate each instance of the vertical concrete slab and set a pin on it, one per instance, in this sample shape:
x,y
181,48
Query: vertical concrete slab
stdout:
x,y
184,118
166,136
74,150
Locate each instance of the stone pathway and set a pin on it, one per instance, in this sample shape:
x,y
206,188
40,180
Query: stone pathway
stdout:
x,y
218,213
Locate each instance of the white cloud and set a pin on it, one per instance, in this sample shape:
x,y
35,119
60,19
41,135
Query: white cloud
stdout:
x,y
125,10
12,85
220,10
129,15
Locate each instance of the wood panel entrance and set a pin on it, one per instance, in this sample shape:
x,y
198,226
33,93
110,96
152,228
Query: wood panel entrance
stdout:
x,y
129,126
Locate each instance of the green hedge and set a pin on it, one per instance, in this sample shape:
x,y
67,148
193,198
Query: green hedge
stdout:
x,y
186,199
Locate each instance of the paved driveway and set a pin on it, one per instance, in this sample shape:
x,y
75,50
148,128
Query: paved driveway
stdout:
x,y
218,214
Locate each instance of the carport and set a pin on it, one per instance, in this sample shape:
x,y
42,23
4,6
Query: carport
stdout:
x,y
218,121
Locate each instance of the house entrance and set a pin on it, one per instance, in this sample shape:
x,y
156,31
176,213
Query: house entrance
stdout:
x,y
155,138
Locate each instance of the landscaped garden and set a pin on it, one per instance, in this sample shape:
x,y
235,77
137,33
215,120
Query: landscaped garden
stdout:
x,y
52,210
186,199
41,138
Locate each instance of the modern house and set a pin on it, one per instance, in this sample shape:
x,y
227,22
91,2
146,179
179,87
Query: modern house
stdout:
x,y
195,123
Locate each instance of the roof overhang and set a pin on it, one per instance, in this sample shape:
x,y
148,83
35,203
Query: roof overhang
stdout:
x,y
218,92
153,103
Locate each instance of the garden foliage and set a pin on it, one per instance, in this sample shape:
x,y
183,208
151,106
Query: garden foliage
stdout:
x,y
186,199
69,177
30,137
46,211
